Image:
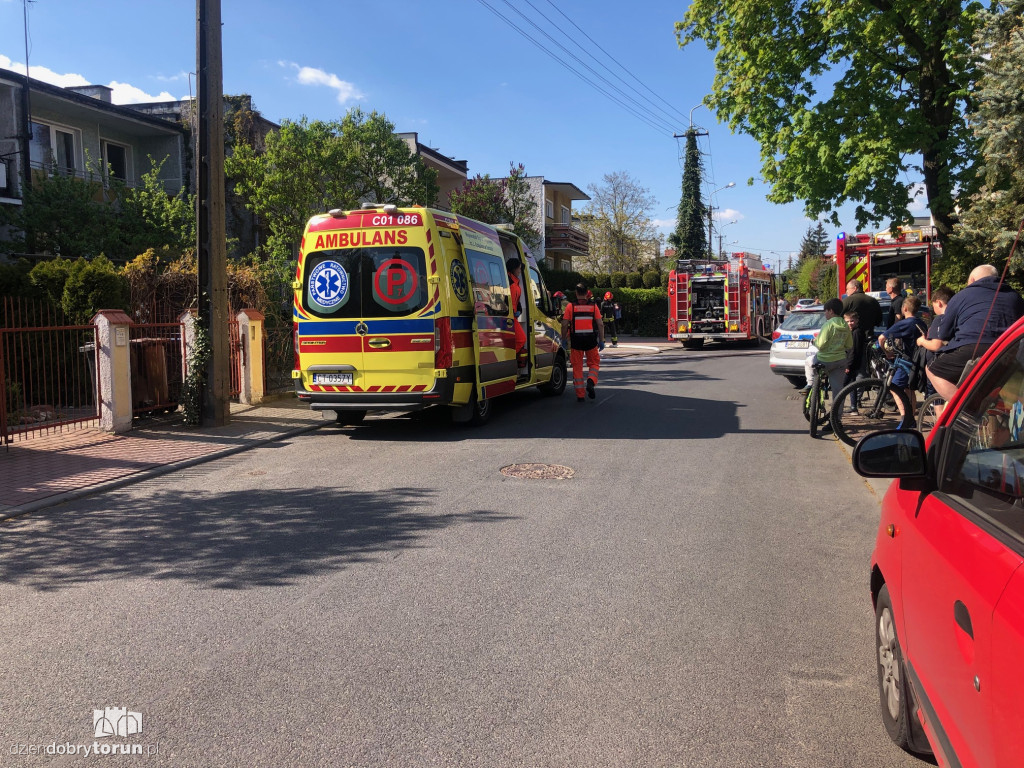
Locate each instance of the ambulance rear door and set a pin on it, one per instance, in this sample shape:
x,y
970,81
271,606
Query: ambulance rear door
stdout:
x,y
494,337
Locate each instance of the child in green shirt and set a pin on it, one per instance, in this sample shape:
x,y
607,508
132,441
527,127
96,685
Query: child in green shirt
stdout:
x,y
831,347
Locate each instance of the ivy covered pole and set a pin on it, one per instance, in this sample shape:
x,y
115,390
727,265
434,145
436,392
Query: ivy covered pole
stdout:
x,y
211,247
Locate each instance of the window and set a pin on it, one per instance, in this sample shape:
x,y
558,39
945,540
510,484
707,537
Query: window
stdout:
x,y
365,282
985,468
536,285
490,283
566,216
549,209
115,160
54,148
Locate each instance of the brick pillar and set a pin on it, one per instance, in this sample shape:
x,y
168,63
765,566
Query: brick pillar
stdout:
x,y
250,329
114,370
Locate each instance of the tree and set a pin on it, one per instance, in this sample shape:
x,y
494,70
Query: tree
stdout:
x,y
617,222
311,167
500,201
151,218
481,198
988,226
895,78
689,239
815,244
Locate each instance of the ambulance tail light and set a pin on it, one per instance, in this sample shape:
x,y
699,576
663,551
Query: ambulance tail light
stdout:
x,y
443,343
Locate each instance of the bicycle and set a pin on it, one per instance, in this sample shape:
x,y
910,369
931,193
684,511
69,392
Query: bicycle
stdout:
x,y
929,412
816,401
872,404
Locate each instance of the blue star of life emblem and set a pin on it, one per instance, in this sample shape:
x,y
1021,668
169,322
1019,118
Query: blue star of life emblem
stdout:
x,y
328,284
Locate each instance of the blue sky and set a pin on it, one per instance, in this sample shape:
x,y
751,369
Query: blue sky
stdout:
x,y
453,71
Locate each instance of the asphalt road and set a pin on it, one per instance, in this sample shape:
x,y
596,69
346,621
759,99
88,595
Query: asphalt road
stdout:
x,y
696,595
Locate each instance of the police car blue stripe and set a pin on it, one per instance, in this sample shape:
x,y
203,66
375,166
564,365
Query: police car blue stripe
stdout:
x,y
373,327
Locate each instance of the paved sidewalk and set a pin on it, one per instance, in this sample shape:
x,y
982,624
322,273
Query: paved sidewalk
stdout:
x,y
50,469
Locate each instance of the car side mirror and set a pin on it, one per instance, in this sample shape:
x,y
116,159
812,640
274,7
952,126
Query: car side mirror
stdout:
x,y
891,453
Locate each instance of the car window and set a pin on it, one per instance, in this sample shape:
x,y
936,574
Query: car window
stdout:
x,y
803,321
986,449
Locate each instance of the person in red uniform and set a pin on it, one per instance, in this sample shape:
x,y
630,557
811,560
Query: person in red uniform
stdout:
x,y
515,276
582,325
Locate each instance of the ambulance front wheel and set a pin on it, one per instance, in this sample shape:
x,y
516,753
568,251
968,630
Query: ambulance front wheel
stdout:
x,y
349,418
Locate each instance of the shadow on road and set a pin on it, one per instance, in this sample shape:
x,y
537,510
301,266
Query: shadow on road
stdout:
x,y
226,540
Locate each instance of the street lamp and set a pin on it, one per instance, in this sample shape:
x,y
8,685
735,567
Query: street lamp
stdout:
x,y
711,242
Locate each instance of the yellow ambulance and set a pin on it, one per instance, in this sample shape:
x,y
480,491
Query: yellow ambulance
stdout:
x,y
403,308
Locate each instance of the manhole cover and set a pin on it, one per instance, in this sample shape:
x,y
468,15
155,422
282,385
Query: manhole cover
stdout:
x,y
538,471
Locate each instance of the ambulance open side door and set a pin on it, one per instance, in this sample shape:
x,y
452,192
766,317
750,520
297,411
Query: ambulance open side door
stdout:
x,y
493,328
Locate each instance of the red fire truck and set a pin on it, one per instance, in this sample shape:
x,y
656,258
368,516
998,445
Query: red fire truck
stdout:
x,y
872,259
720,300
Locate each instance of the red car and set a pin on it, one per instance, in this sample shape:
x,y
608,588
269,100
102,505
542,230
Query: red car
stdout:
x,y
946,575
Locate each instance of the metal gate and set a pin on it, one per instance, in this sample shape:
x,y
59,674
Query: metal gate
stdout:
x,y
47,371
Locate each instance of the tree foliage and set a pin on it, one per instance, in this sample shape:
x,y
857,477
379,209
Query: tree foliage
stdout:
x,y
989,224
309,167
622,235
500,201
688,238
847,97
815,243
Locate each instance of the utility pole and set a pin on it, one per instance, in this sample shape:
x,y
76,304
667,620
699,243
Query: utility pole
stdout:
x,y
26,119
211,246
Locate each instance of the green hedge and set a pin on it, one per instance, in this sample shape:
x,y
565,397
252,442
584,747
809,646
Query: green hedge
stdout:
x,y
644,311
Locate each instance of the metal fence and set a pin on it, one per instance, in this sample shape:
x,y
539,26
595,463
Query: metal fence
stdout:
x,y
47,371
158,367
235,345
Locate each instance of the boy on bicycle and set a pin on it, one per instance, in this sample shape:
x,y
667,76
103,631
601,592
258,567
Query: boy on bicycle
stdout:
x,y
831,347
902,336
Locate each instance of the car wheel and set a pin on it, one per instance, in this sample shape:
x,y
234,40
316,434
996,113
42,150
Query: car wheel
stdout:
x,y
796,381
556,384
892,683
481,412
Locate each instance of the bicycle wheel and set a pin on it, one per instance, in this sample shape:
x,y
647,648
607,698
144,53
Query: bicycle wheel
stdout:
x,y
866,406
929,412
818,415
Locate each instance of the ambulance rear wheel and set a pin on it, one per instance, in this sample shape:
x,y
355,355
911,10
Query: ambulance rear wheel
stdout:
x,y
349,418
556,384
481,412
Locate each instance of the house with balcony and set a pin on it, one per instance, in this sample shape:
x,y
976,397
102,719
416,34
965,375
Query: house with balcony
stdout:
x,y
562,240
77,131
451,173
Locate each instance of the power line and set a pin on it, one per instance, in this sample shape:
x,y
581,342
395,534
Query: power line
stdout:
x,y
622,66
650,121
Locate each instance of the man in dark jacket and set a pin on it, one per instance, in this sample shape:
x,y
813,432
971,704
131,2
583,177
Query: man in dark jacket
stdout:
x,y
964,327
869,314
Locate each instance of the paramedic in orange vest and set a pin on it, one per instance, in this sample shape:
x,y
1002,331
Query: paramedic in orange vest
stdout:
x,y
515,271
582,325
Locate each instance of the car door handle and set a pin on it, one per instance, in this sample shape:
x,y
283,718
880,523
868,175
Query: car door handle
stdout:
x,y
379,343
962,617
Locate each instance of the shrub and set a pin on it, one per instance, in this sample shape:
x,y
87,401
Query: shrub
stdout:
x,y
644,311
602,282
664,281
651,279
634,280
618,279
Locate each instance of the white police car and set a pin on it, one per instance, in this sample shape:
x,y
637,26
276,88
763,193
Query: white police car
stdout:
x,y
791,340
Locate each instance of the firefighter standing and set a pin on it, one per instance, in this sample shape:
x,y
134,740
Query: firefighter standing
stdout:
x,y
582,325
608,314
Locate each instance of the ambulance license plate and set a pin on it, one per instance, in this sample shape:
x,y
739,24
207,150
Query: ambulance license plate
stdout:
x,y
344,379
797,344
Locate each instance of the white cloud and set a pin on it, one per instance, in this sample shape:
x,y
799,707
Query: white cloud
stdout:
x,y
312,76
663,223
729,214
122,93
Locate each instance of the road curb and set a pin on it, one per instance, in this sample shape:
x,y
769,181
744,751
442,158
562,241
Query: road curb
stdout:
x,y
146,474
